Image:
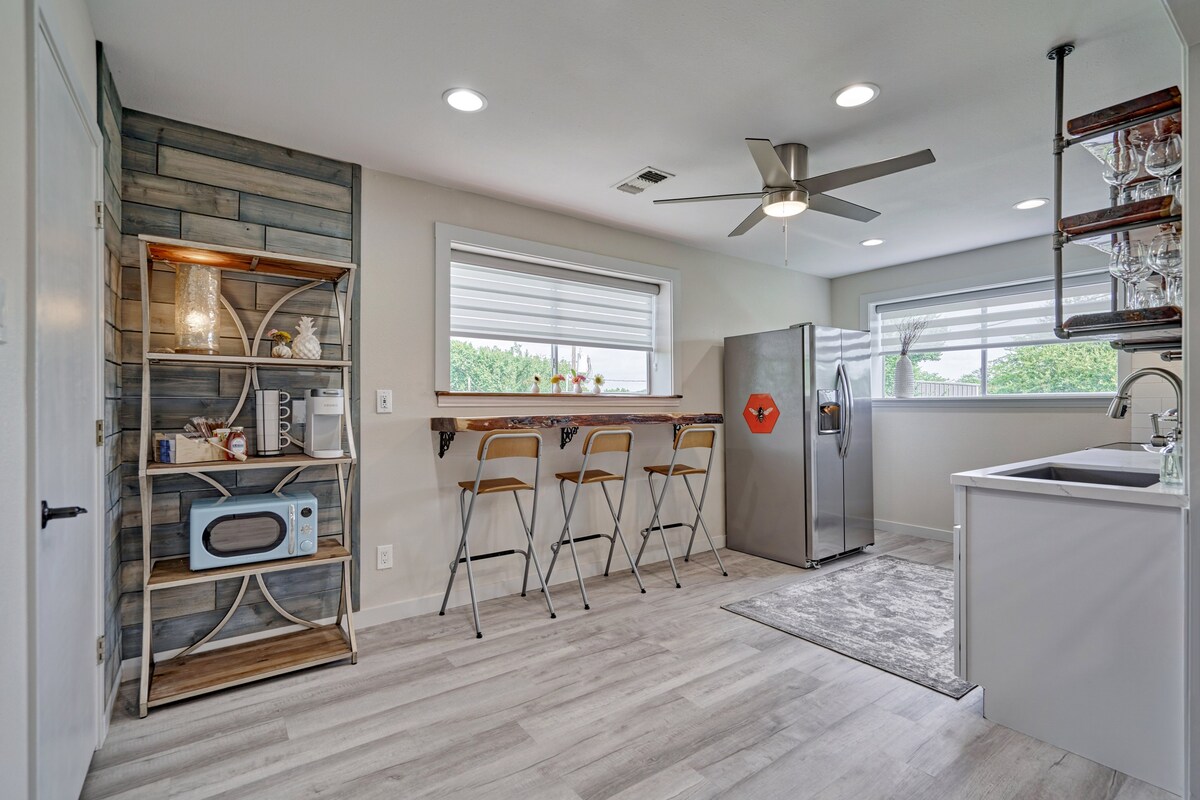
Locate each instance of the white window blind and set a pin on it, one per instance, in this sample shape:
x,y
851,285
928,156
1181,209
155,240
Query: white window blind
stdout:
x,y
498,297
1000,317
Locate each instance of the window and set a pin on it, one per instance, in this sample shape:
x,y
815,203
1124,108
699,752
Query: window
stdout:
x,y
997,341
511,310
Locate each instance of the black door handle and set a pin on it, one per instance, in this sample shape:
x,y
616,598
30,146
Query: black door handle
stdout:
x,y
64,512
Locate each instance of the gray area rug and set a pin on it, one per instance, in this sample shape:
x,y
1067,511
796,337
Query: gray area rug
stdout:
x,y
890,613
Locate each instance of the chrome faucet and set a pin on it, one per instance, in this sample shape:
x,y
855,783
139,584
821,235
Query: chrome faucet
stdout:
x,y
1119,406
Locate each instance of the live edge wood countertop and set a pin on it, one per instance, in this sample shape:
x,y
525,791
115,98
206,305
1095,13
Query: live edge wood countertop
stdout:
x,y
568,420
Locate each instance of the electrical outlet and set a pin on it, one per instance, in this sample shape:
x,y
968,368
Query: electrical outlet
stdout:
x,y
383,401
383,556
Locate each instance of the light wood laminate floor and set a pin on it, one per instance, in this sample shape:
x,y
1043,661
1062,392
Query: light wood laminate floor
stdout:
x,y
646,696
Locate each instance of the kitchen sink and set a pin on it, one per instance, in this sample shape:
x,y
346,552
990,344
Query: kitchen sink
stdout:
x,y
1106,477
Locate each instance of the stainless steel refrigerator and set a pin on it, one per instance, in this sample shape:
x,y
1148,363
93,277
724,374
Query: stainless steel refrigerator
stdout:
x,y
798,474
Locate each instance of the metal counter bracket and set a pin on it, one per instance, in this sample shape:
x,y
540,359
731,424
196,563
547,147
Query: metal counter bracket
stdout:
x,y
566,435
444,440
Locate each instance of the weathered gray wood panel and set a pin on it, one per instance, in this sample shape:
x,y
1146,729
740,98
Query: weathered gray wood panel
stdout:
x,y
200,168
230,232
151,128
295,216
307,244
170,192
137,218
138,156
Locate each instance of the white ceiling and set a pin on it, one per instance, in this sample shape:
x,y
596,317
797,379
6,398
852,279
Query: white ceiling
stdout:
x,y
582,94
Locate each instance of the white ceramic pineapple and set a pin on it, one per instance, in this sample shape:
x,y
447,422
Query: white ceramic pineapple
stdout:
x,y
306,344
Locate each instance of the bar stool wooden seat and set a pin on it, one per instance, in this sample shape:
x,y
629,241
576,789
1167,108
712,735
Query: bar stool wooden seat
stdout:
x,y
494,445
598,441
688,437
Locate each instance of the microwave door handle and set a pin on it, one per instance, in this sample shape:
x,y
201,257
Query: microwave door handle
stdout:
x,y
291,530
847,398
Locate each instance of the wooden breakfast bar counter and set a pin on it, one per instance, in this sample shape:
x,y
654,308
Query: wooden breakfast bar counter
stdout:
x,y
568,424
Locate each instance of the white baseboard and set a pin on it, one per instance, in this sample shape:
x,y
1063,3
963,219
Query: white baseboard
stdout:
x,y
914,530
564,573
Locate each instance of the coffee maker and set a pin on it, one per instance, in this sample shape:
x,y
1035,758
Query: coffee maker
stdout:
x,y
323,409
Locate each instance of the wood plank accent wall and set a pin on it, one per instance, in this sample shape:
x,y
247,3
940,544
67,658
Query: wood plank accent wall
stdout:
x,y
189,182
108,115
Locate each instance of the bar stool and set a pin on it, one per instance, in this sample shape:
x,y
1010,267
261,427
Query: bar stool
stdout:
x,y
701,436
499,444
599,440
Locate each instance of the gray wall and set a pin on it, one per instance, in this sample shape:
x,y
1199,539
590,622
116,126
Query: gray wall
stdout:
x,y
183,181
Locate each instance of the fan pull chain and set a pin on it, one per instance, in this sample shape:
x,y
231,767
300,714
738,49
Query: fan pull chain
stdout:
x,y
785,242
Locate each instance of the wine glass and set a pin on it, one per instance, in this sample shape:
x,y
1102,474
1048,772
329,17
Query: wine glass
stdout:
x,y
1164,156
1128,264
1121,165
1166,257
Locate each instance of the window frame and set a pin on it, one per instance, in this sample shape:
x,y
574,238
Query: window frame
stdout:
x,y
664,365
869,305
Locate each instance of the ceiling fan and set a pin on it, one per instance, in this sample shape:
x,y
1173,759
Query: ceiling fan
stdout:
x,y
787,190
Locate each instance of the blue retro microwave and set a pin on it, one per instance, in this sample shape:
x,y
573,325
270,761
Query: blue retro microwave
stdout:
x,y
227,531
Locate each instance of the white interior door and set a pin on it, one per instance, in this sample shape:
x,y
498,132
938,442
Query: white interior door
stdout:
x,y
66,596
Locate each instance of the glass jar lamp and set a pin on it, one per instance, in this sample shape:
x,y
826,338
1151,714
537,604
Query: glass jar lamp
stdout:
x,y
197,309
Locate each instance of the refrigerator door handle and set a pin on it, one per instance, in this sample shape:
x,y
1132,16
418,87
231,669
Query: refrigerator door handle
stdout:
x,y
847,409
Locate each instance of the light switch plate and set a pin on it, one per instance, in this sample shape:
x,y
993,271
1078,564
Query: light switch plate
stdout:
x,y
383,401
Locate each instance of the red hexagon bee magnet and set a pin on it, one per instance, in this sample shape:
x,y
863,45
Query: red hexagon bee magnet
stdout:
x,y
761,413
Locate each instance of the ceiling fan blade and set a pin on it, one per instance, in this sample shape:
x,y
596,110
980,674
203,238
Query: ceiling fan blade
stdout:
x,y
756,216
840,208
746,196
865,172
774,173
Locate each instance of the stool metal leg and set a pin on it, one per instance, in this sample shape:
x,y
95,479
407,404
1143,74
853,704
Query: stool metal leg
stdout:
x,y
700,521
464,550
533,552
566,534
657,506
617,534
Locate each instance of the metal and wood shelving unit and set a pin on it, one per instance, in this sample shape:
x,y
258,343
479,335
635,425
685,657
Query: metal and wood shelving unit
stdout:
x,y
1131,330
190,673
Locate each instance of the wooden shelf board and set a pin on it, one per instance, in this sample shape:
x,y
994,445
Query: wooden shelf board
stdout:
x,y
239,259
457,424
253,462
1160,103
171,572
247,361
191,675
1153,211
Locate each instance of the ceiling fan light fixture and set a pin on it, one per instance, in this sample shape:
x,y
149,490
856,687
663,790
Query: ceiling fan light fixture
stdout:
x,y
1033,202
467,100
785,203
856,94
871,242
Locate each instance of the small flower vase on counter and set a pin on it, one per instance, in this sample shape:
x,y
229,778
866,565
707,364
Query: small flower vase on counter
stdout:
x,y
597,384
281,343
905,383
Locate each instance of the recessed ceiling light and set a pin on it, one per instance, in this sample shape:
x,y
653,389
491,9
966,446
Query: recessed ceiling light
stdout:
x,y
464,99
856,94
1033,202
871,242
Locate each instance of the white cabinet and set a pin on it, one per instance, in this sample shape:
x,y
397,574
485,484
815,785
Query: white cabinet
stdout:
x,y
1070,614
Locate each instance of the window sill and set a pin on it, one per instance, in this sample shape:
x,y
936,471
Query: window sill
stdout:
x,y
568,399
1037,402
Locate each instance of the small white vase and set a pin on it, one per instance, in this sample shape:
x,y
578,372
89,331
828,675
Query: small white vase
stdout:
x,y
557,387
579,388
595,388
536,388
905,384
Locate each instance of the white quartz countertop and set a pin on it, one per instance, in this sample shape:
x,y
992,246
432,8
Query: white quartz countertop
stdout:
x,y
1155,495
